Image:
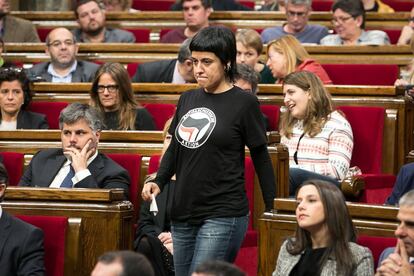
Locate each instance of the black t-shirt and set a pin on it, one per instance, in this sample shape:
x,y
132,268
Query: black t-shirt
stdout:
x,y
207,153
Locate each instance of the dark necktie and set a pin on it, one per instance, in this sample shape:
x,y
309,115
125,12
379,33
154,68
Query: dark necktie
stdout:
x,y
67,182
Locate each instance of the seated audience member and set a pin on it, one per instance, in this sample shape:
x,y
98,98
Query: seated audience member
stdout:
x,y
403,184
319,139
113,97
407,31
273,5
122,263
297,16
153,236
218,5
217,268
349,23
118,5
324,240
178,71
15,29
398,260
196,13
21,244
15,97
63,67
90,15
287,55
249,48
376,6
78,163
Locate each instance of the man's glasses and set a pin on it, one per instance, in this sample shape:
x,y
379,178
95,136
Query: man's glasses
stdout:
x,y
340,20
58,43
111,88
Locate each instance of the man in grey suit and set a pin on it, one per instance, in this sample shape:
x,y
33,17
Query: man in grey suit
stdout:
x,y
63,67
178,71
90,15
21,244
78,163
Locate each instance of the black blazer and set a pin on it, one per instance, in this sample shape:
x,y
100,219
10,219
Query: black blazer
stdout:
x,y
31,120
85,72
156,71
21,247
45,165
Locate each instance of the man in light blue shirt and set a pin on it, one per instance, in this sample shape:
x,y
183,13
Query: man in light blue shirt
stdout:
x,y
297,15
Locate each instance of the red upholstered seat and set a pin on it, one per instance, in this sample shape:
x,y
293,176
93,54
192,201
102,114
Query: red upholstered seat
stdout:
x,y
376,245
50,109
272,113
362,74
141,35
152,5
400,5
132,163
394,35
13,161
43,32
132,69
322,5
160,113
248,3
367,126
54,229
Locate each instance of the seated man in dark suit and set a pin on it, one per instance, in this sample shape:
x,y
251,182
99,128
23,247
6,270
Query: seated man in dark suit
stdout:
x,y
63,67
21,244
403,184
176,71
77,164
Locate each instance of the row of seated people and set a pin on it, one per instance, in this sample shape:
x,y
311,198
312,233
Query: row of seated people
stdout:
x,y
350,33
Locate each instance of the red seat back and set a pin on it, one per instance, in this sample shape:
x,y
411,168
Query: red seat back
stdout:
x,y
272,112
322,5
400,5
13,161
141,35
362,74
152,5
376,245
132,163
248,3
164,32
132,69
43,32
160,113
378,187
54,229
50,109
154,163
394,35
367,126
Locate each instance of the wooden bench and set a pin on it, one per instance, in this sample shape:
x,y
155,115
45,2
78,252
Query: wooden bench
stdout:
x,y
276,226
99,220
143,52
398,135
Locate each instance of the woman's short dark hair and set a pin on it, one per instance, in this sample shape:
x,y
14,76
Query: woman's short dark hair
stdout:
x,y
15,73
353,7
221,42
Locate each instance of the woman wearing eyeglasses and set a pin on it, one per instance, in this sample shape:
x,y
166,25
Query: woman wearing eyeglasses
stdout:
x,y
319,139
112,95
324,240
348,20
15,97
287,55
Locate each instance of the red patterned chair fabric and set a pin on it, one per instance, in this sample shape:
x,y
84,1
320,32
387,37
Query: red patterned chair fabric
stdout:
x,y
160,113
54,229
362,74
13,161
376,245
132,163
50,109
367,126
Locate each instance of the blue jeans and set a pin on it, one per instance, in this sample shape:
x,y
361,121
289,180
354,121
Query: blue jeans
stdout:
x,y
298,176
217,238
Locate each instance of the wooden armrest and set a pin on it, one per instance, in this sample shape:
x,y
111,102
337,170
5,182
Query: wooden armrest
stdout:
x,y
352,186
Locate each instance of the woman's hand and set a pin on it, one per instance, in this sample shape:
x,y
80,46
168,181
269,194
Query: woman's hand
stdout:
x,y
149,189
165,237
400,82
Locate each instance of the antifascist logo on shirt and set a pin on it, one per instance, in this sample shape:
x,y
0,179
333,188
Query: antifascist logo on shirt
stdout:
x,y
195,127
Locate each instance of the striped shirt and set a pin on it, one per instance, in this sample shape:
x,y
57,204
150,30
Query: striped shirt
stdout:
x,y
328,153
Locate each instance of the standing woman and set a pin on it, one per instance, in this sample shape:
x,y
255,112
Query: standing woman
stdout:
x,y
286,55
319,139
324,241
112,95
210,129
